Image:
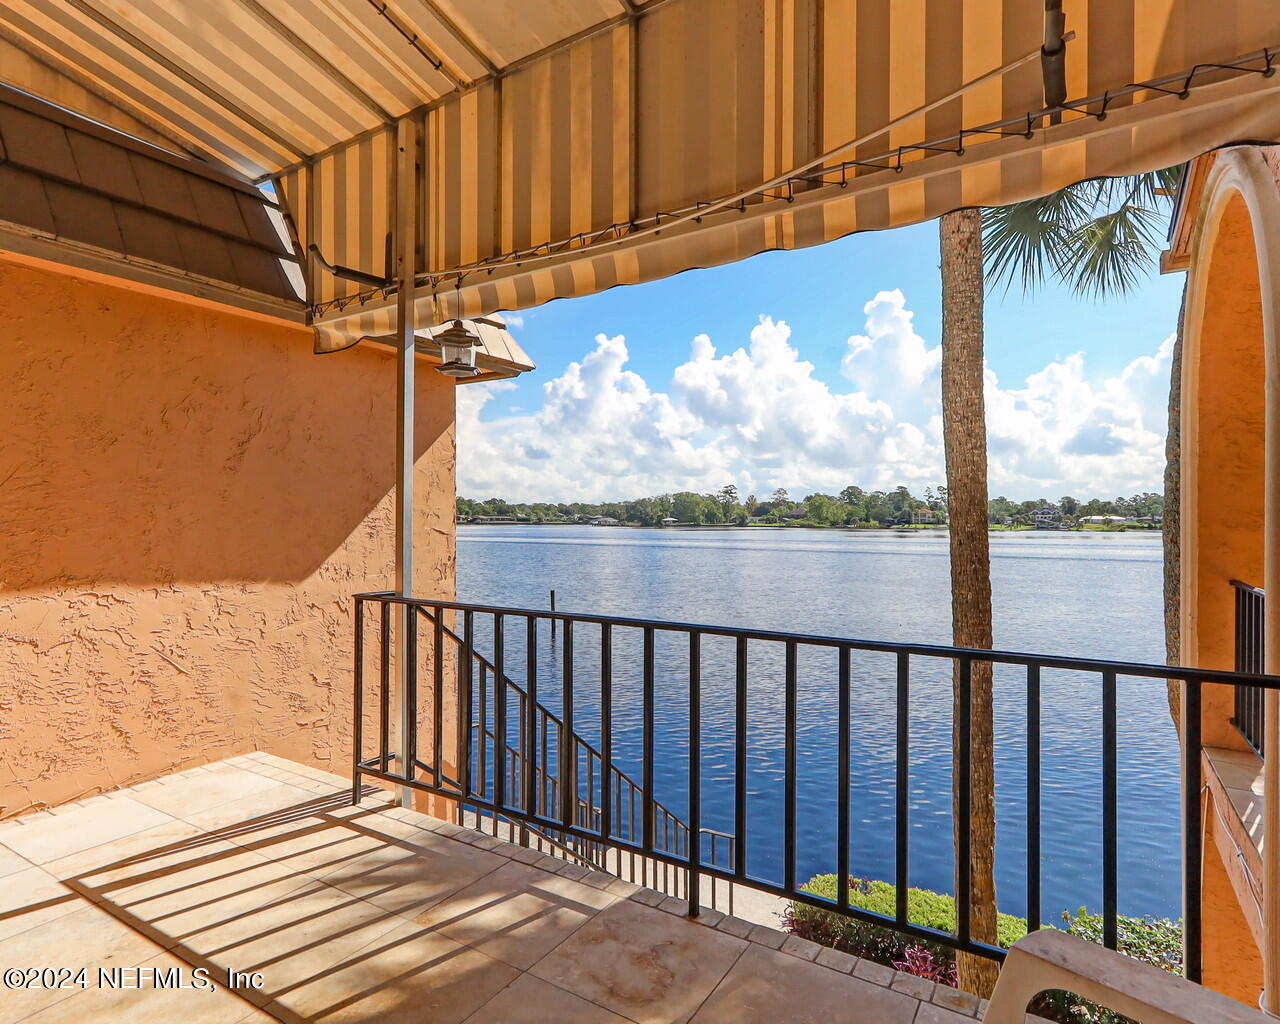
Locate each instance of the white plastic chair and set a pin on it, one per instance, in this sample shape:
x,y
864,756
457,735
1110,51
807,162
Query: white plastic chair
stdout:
x,y
1051,959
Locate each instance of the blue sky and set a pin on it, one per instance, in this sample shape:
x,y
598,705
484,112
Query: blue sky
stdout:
x,y
621,405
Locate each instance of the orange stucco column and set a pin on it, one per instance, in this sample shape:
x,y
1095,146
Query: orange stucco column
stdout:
x,y
1231,495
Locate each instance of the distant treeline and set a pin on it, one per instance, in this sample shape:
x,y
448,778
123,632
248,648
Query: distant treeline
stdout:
x,y
851,507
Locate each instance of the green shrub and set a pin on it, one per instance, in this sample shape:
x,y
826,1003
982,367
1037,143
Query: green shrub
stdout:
x,y
1154,941
876,942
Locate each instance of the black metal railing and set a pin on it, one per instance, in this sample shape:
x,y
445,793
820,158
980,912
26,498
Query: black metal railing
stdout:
x,y
541,733
1250,657
506,757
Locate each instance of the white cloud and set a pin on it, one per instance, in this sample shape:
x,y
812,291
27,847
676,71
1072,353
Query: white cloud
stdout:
x,y
759,417
1061,433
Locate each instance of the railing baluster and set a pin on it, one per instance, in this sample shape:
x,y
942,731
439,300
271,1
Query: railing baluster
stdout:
x,y
546,794
632,831
646,764
568,751
789,771
1255,630
590,803
1241,613
531,710
499,716
964,815
384,688
1249,701
437,677
357,702
902,807
1109,814
1033,797
482,733
1191,822
693,840
606,730
740,760
409,750
520,771
842,784
468,652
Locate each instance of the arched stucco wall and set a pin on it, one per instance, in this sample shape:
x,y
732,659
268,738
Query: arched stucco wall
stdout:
x,y
1224,422
188,498
1231,321
1230,483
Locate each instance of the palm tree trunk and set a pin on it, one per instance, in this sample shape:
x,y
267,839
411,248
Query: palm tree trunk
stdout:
x,y
965,436
1172,520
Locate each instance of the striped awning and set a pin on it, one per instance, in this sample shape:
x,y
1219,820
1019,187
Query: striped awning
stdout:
x,y
571,146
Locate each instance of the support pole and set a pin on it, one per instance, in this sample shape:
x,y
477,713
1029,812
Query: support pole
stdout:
x,y
406,270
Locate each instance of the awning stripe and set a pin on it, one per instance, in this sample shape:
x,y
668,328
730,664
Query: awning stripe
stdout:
x,y
1145,136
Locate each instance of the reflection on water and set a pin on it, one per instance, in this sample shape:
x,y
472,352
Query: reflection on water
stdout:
x,y
1092,595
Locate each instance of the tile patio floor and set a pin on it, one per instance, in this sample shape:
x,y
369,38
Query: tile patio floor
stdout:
x,y
376,913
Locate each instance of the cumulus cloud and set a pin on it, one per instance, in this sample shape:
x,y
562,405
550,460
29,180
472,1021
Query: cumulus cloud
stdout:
x,y
1061,433
758,416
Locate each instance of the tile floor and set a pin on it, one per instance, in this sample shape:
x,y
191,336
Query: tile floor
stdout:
x,y
376,913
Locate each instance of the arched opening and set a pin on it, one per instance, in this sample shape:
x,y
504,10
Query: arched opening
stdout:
x,y
1224,497
1224,482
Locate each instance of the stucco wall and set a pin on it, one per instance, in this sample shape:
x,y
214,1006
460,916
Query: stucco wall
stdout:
x,y
1224,498
187,499
1225,494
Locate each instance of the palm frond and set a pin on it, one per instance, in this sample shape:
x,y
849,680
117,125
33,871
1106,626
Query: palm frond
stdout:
x,y
1111,253
1098,236
1020,241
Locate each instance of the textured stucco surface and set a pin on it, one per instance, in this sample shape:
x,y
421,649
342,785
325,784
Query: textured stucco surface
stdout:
x,y
188,498
1225,500
1223,513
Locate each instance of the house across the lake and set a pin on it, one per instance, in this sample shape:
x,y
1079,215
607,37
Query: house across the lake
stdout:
x,y
1046,517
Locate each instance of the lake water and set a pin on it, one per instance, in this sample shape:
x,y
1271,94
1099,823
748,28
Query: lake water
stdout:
x,y
1091,595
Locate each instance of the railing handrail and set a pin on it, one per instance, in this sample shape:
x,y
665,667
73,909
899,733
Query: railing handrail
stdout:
x,y
1100,665
1251,588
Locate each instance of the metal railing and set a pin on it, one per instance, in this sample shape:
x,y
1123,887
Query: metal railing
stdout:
x,y
1250,657
555,788
541,734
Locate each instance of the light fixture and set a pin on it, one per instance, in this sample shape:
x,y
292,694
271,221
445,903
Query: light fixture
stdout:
x,y
457,351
